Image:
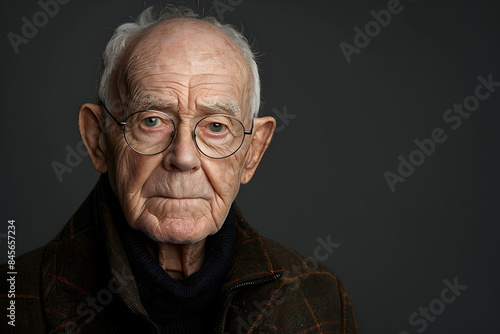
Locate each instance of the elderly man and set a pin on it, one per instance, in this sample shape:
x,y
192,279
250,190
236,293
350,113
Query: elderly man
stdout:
x,y
159,246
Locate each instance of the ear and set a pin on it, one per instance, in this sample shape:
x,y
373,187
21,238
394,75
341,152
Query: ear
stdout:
x,y
263,129
91,125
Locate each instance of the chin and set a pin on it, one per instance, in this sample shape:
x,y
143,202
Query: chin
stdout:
x,y
176,221
177,230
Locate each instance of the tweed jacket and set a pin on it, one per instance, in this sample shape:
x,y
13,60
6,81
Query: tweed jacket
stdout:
x,y
81,282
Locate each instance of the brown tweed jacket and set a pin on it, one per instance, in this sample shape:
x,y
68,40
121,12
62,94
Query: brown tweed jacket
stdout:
x,y
81,282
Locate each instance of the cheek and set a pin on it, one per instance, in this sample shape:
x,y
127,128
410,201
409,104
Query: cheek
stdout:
x,y
224,176
130,170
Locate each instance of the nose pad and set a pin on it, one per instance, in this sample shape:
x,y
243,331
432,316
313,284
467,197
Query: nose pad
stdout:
x,y
194,138
172,138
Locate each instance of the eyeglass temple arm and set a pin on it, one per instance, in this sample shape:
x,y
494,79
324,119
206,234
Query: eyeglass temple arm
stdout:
x,y
113,117
249,132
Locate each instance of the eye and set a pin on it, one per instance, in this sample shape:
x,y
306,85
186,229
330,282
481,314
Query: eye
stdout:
x,y
216,127
151,121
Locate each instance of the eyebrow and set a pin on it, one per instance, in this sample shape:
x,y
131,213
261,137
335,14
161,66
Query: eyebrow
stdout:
x,y
226,107
151,102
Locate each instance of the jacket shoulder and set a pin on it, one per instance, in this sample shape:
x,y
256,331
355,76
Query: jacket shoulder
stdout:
x,y
298,264
39,271
311,297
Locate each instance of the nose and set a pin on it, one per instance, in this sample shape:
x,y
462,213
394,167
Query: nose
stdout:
x,y
182,153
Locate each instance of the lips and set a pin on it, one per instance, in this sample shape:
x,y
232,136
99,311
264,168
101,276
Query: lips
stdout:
x,y
176,187
170,196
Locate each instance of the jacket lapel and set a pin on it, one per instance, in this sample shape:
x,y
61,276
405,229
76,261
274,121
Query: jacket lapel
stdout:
x,y
253,265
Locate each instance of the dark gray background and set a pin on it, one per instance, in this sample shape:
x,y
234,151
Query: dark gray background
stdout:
x,y
323,173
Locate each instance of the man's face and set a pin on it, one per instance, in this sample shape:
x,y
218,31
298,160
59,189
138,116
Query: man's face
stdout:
x,y
187,69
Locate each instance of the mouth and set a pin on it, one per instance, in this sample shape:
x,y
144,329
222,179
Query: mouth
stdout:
x,y
178,197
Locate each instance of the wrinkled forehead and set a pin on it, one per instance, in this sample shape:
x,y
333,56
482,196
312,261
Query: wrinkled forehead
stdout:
x,y
181,48
184,36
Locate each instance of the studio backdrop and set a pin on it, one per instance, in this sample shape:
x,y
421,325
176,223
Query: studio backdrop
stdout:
x,y
384,165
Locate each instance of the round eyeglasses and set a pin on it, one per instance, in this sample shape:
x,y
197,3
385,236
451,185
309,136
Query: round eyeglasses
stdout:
x,y
151,132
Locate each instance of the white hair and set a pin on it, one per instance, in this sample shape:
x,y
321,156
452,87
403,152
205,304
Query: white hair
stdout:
x,y
148,17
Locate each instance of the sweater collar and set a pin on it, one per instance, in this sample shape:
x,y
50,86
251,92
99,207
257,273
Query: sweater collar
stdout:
x,y
218,253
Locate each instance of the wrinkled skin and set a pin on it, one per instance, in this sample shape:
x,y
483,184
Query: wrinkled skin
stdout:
x,y
187,69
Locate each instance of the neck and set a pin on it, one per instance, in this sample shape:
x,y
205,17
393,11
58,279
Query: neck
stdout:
x,y
181,260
